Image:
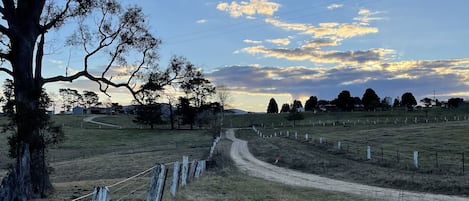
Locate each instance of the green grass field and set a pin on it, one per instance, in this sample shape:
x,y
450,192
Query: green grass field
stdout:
x,y
92,156
440,144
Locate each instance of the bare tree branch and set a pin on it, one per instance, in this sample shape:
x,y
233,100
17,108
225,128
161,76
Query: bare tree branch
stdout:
x,y
39,56
6,70
59,17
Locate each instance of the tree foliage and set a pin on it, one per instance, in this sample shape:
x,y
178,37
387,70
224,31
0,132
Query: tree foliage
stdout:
x,y
344,101
297,105
149,114
454,102
186,111
272,107
294,116
70,98
285,108
370,100
90,99
408,100
311,103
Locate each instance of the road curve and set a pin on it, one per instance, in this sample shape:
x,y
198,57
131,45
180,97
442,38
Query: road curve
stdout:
x,y
247,163
90,119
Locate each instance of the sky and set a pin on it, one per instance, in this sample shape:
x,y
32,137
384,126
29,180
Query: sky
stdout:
x,y
262,49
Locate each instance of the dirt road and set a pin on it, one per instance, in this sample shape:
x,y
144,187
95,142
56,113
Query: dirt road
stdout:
x,y
91,120
247,163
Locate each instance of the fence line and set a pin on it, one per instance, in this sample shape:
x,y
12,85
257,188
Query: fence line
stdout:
x,y
187,173
372,121
422,160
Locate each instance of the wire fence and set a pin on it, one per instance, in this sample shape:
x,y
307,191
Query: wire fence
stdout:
x,y
368,121
150,184
398,157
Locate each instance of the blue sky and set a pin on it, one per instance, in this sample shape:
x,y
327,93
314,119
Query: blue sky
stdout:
x,y
295,49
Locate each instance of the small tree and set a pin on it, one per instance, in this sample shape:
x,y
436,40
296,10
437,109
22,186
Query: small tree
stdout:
x,y
396,103
455,102
370,100
294,116
186,111
272,107
344,101
285,108
408,100
296,105
311,103
224,96
70,98
149,114
90,99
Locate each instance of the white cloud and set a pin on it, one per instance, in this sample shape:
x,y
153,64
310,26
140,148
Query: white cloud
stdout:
x,y
365,16
334,6
252,41
279,41
201,21
249,9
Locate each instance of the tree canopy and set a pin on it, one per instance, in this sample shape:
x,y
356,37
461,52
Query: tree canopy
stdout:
x,y
408,100
311,103
272,107
370,99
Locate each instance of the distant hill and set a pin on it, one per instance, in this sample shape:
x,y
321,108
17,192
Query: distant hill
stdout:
x,y
235,111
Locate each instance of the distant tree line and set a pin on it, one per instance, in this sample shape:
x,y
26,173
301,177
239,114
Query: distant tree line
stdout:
x,y
370,101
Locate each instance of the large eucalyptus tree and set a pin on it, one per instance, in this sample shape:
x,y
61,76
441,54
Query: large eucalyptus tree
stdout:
x,y
104,31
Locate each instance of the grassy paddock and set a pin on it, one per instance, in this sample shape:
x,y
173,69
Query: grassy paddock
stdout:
x,y
92,156
227,183
439,142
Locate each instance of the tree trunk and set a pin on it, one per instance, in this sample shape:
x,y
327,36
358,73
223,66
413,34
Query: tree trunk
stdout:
x,y
28,118
17,184
171,115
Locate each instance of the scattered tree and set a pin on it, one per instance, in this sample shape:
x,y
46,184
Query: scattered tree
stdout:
x,y
370,100
186,111
224,96
396,103
294,116
149,114
90,99
454,102
272,107
285,108
296,105
70,98
408,100
344,101
198,88
157,82
311,103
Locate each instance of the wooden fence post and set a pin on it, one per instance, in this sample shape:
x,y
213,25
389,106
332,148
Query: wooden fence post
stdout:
x,y
199,169
174,183
185,168
101,193
416,159
193,165
368,152
157,182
